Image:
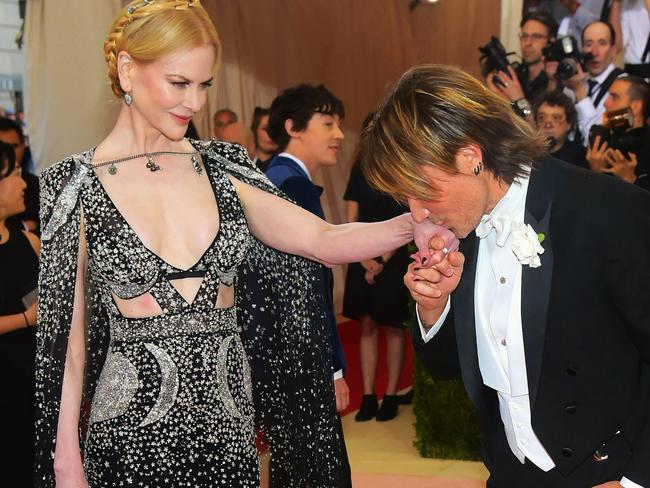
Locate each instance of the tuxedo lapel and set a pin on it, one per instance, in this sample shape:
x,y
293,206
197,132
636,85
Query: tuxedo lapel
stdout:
x,y
464,318
536,282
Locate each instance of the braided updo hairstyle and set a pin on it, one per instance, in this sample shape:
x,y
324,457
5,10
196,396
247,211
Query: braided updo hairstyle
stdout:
x,y
147,30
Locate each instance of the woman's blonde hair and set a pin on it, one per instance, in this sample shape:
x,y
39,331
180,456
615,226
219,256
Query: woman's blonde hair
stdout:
x,y
149,29
433,112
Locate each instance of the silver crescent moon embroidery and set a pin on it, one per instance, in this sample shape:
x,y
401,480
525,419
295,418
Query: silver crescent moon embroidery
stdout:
x,y
116,387
168,385
222,378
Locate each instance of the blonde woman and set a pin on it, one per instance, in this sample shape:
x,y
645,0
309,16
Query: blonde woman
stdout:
x,y
158,256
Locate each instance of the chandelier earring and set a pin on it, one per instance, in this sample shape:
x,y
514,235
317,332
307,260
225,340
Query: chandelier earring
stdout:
x,y
479,167
128,99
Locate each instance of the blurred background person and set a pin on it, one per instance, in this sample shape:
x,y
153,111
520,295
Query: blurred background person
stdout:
x,y
631,21
222,118
626,152
375,296
11,133
579,15
18,292
526,85
590,88
555,117
305,124
265,148
241,134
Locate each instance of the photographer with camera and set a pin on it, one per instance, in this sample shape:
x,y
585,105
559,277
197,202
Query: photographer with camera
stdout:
x,y
590,86
621,147
523,84
555,116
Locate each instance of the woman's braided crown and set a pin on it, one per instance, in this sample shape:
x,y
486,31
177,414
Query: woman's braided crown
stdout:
x,y
134,26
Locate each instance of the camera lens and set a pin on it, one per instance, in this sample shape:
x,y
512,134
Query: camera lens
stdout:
x,y
567,68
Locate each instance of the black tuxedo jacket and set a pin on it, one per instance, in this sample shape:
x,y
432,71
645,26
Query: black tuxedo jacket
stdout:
x,y
585,316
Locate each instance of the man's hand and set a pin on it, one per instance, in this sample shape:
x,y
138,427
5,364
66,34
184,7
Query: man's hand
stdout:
x,y
620,166
342,393
578,83
509,88
610,484
597,156
430,287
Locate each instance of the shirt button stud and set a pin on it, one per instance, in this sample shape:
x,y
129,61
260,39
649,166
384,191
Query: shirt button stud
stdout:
x,y
502,280
503,342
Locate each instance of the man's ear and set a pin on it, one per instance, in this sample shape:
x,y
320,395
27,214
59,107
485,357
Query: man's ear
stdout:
x,y
288,127
468,158
636,107
125,66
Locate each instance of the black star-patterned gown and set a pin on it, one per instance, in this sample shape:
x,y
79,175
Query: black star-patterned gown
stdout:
x,y
171,403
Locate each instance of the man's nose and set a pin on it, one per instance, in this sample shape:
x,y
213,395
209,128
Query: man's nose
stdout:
x,y
419,213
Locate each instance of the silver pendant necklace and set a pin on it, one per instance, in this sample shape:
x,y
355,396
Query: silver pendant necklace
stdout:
x,y
151,163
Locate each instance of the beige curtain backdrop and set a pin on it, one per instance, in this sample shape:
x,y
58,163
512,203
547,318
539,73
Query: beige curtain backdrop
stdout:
x,y
69,106
510,18
357,48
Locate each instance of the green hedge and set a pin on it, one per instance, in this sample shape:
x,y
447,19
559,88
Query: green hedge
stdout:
x,y
445,421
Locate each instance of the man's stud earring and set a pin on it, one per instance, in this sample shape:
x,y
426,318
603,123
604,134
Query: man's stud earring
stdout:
x,y
478,168
128,98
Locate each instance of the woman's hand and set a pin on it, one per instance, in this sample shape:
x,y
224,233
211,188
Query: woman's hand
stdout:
x,y
31,314
372,266
430,250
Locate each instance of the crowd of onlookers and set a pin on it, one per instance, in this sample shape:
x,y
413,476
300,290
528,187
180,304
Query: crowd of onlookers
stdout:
x,y
593,113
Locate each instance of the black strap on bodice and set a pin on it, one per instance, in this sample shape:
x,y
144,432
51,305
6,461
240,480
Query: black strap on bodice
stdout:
x,y
107,229
179,275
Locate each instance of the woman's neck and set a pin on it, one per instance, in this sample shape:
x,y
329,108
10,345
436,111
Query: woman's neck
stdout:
x,y
133,135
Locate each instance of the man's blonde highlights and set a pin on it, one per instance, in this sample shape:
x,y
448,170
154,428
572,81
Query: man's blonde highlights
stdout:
x,y
430,115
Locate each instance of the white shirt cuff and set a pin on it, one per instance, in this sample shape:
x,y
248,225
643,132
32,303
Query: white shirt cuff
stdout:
x,y
585,108
629,484
337,375
428,334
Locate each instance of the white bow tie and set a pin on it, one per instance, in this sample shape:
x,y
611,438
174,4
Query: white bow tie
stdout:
x,y
502,226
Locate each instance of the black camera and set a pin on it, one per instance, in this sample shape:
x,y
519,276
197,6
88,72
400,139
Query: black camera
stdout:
x,y
566,51
495,58
617,133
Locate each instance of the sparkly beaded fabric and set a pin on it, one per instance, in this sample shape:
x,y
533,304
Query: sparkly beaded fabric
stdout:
x,y
177,399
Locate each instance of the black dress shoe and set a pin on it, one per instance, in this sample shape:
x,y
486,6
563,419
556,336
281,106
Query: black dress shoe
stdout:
x,y
368,408
406,398
388,409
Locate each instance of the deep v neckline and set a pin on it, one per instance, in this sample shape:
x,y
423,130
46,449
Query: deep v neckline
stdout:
x,y
130,228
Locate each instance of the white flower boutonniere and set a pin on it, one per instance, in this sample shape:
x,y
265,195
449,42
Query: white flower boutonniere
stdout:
x,y
526,244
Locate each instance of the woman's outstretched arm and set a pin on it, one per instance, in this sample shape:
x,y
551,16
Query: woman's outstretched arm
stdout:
x,y
288,228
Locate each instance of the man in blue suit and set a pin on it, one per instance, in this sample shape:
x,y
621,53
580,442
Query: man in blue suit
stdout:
x,y
305,123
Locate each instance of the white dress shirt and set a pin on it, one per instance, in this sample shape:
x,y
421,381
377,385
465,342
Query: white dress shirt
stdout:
x,y
635,26
588,114
297,161
499,332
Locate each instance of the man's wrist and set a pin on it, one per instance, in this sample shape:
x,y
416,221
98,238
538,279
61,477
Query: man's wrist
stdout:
x,y
430,317
522,107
